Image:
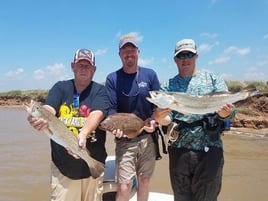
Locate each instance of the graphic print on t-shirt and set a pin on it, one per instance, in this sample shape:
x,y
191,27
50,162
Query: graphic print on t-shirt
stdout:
x,y
74,117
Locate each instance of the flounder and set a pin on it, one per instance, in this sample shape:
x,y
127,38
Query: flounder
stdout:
x,y
129,123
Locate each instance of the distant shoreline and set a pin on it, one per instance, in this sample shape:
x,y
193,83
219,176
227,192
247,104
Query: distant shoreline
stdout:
x,y
11,106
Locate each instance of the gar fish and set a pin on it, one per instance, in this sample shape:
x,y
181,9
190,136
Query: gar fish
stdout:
x,y
129,123
58,132
198,104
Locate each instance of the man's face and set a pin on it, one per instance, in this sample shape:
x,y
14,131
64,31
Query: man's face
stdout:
x,y
129,55
83,70
186,62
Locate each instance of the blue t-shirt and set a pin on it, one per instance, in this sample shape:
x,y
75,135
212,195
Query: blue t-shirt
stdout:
x,y
73,109
128,92
203,82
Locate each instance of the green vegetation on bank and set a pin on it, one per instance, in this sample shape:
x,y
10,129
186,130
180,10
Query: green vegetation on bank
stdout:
x,y
34,94
234,86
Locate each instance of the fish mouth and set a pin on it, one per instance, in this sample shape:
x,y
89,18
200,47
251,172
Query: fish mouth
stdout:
x,y
30,107
101,127
27,106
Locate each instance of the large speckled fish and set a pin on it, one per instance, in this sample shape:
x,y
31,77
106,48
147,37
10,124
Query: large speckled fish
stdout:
x,y
199,104
129,123
59,133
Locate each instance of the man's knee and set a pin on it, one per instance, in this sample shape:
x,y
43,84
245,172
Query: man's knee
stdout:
x,y
143,180
123,188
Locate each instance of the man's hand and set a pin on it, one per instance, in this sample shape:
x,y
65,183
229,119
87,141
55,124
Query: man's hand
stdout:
x,y
82,141
118,133
150,126
161,116
225,110
37,123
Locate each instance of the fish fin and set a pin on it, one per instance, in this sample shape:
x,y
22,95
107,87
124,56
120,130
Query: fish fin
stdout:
x,y
217,93
251,89
96,167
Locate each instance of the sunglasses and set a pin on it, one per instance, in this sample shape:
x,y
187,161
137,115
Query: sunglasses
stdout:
x,y
184,55
138,88
76,100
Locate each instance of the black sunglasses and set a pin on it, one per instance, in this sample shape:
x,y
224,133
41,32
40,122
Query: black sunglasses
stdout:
x,y
138,88
184,55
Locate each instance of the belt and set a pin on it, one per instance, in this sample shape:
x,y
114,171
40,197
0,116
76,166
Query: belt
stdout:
x,y
143,133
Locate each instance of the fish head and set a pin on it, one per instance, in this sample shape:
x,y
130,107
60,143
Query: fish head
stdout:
x,y
32,108
107,124
162,100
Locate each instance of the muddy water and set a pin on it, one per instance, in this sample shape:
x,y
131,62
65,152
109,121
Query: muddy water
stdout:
x,y
25,161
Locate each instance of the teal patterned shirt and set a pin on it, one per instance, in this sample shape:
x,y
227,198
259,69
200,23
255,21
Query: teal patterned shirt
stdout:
x,y
203,82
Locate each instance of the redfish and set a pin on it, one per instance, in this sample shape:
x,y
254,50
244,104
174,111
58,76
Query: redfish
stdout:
x,y
59,133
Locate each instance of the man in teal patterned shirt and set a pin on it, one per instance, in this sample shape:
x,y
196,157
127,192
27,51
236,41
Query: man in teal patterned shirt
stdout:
x,y
196,156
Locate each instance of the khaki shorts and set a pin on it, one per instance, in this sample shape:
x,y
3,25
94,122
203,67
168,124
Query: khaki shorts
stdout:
x,y
66,189
134,157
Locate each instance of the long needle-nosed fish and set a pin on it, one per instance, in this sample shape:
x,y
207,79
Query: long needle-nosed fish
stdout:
x,y
59,133
129,123
199,104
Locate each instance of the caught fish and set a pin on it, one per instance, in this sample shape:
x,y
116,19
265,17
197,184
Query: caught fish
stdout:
x,y
58,132
199,104
129,123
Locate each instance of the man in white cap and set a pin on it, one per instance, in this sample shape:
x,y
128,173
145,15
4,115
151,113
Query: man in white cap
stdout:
x,y
196,155
128,88
82,104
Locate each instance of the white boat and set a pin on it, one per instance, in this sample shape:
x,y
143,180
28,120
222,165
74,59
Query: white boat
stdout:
x,y
109,185
154,196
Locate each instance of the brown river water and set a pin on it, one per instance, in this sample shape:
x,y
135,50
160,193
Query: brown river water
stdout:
x,y
25,163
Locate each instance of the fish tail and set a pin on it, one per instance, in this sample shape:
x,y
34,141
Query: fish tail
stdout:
x,y
251,90
96,169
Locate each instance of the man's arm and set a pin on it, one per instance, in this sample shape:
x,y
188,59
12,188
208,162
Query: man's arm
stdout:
x,y
91,123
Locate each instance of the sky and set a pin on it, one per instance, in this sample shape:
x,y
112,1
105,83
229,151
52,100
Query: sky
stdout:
x,y
38,39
